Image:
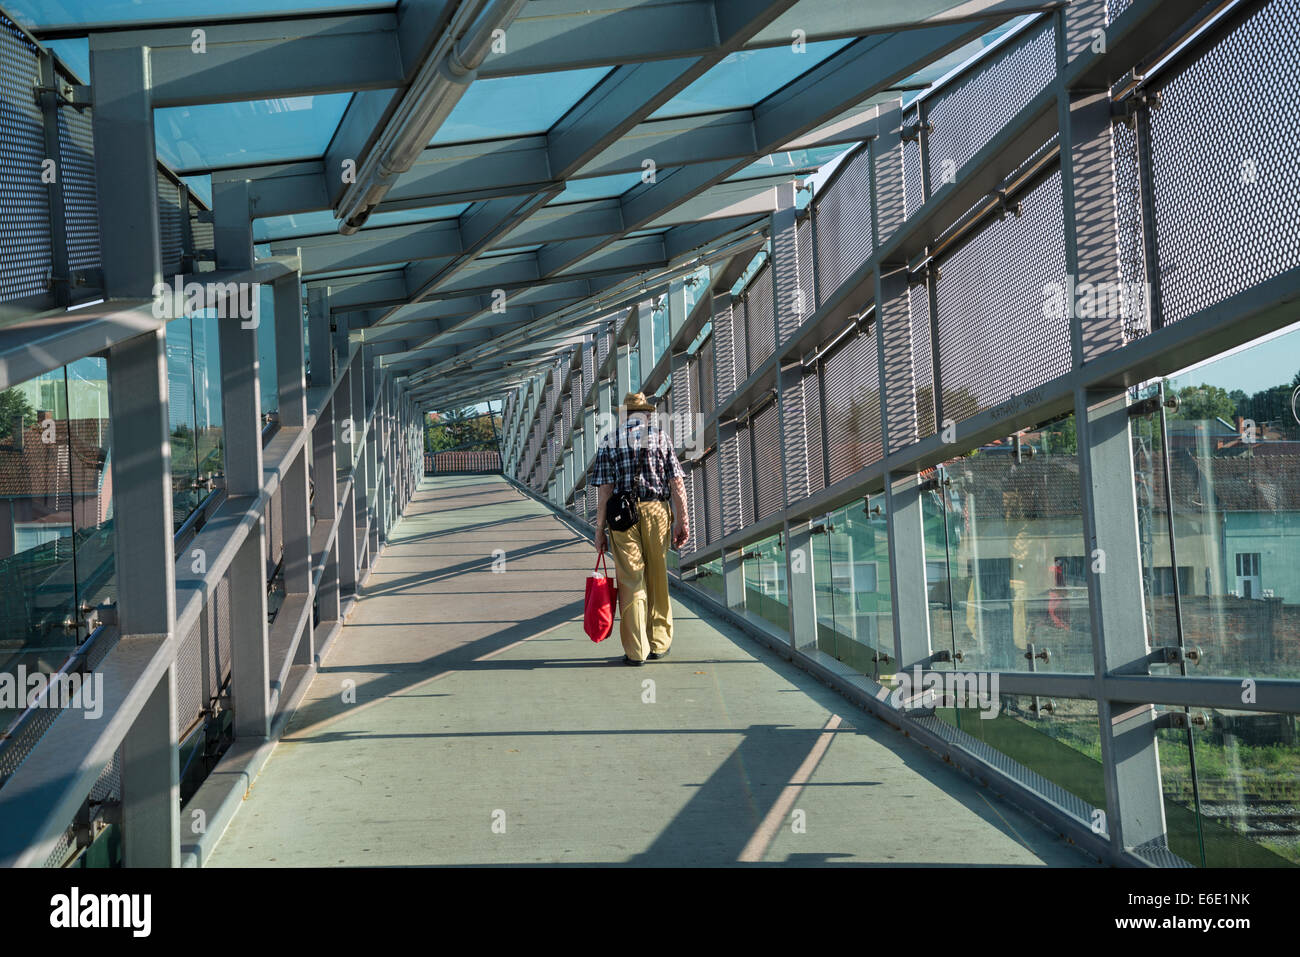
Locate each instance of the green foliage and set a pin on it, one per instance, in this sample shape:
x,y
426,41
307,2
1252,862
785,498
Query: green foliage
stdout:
x,y
461,429
14,404
1204,402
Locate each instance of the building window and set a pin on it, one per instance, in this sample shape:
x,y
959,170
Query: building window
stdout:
x,y
1248,575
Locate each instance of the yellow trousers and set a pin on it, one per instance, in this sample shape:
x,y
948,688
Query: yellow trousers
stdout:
x,y
641,560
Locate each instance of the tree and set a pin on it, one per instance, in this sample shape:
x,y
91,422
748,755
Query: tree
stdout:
x,y
460,429
13,407
1204,401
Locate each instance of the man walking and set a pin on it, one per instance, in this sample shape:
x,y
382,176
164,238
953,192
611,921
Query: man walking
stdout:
x,y
639,457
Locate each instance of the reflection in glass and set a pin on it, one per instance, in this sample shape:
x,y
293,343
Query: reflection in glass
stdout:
x,y
89,450
267,374
708,577
207,397
766,596
1234,481
1016,561
851,571
180,416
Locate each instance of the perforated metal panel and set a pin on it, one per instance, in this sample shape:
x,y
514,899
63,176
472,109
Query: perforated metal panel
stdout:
x,y
843,223
852,391
793,449
967,117
768,466
1128,215
996,340
1231,218
760,318
922,359
80,199
25,247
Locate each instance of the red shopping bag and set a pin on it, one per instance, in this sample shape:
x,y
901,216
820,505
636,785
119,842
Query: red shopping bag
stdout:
x,y
602,597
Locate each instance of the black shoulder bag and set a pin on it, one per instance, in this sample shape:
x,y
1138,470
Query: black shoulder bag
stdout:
x,y
621,512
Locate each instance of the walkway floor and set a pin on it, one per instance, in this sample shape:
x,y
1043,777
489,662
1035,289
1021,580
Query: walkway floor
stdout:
x,y
487,729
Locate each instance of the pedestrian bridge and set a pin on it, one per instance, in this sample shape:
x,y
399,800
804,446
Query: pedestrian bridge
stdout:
x,y
975,327
462,716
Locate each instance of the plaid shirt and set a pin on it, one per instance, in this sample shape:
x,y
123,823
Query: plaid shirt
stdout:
x,y
644,445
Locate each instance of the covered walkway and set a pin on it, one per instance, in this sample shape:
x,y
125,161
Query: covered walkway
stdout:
x,y
487,729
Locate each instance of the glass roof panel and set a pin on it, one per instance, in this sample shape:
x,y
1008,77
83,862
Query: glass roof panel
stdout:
x,y
48,14
322,221
516,105
195,138
792,162
746,77
596,187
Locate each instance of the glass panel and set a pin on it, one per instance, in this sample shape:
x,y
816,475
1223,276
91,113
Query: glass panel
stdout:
x,y
1017,557
516,105
72,13
266,370
180,416
1060,739
209,434
197,138
860,629
596,187
766,597
709,579
792,162
745,77
1234,444
90,451
37,590
940,511
322,222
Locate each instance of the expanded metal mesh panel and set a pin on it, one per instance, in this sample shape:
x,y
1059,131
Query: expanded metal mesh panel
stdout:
x,y
729,479
913,175
807,283
190,696
812,429
108,786
1128,216
170,237
712,498
996,340
760,318
588,366
766,427
693,519
1227,205
793,448
852,390
706,371
685,400
80,200
1115,7
922,359
843,223
25,247
274,530
745,452
201,233
724,353
739,343
221,621
967,117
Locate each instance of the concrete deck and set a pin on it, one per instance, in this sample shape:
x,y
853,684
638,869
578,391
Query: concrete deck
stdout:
x,y
487,729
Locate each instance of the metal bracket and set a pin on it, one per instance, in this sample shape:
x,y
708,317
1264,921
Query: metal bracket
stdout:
x,y
1174,655
911,133
1181,720
78,96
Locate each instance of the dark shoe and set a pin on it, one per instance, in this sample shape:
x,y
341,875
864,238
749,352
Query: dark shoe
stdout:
x,y
656,655
629,661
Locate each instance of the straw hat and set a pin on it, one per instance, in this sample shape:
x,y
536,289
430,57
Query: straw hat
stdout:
x,y
637,402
